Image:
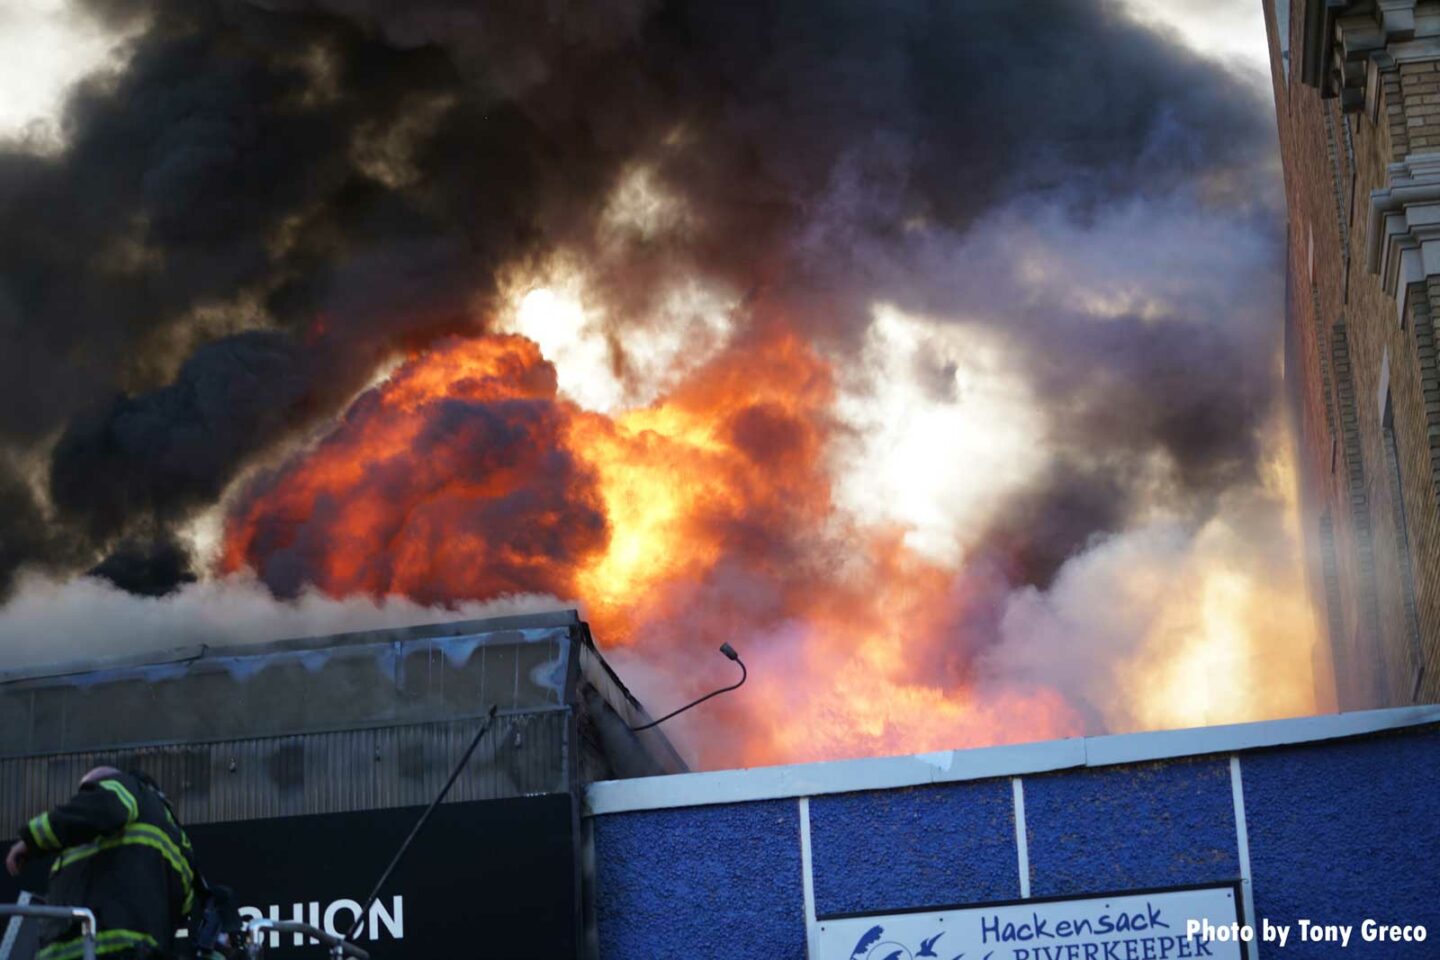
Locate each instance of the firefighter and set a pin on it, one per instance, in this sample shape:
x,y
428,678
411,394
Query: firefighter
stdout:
x,y
119,851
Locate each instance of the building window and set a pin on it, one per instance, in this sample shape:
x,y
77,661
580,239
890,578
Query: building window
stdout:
x,y
1324,356
1369,644
1354,171
1282,33
1402,541
1335,149
1423,327
1330,574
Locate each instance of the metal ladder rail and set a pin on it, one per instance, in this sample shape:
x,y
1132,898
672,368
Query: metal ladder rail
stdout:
x,y
255,931
48,912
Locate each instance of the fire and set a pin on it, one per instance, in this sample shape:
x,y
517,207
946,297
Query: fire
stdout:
x,y
710,514
702,517
878,668
1231,646
450,481
687,482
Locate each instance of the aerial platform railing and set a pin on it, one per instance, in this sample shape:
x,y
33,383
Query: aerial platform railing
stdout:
x,y
40,911
256,932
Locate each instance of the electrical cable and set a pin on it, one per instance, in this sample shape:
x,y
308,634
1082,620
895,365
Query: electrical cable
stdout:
x,y
414,831
729,651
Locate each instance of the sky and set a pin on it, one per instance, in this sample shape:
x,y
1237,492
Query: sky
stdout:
x,y
1229,31
932,361
46,45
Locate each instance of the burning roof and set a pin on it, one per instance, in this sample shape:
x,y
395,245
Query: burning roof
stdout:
x,y
325,724
925,352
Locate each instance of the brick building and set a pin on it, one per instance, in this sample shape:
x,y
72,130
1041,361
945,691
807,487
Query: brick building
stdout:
x,y
1357,93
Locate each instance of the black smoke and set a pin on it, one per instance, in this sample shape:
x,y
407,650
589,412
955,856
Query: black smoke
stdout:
x,y
166,451
271,198
147,568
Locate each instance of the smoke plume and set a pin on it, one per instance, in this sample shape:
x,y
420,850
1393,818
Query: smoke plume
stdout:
x,y
889,342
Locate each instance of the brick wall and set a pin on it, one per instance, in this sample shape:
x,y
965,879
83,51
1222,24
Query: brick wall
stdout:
x,y
1418,435
1391,124
1377,559
1420,90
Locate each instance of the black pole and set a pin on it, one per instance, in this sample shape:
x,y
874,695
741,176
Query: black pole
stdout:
x,y
729,652
415,830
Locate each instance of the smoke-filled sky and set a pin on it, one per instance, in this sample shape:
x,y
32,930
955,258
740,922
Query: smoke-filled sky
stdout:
x,y
928,353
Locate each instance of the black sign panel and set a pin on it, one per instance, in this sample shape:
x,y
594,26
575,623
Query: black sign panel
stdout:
x,y
492,878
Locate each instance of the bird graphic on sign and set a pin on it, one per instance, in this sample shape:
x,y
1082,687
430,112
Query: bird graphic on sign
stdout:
x,y
890,951
872,946
867,940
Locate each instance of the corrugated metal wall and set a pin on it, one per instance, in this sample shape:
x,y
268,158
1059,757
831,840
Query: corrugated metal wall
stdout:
x,y
330,772
285,690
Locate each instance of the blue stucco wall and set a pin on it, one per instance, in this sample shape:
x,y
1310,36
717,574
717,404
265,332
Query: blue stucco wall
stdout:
x,y
1338,831
701,883
914,848
1344,831
1116,828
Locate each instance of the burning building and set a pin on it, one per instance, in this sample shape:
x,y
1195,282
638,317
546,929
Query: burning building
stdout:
x,y
1356,90
954,412
300,766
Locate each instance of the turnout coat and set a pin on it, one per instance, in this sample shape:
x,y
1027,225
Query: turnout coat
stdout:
x,y
119,851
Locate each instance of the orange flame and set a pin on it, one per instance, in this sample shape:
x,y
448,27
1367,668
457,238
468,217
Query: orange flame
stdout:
x,y
709,474
706,516
404,496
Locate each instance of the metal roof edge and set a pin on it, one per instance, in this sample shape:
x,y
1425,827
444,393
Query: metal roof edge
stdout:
x,y
199,651
1237,737
984,763
123,661
207,743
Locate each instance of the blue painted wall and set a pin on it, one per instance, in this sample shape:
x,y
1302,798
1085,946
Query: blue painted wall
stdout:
x,y
701,883
1338,831
1344,831
1117,828
915,847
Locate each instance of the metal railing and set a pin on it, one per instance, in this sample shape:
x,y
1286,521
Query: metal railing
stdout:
x,y
255,931
45,912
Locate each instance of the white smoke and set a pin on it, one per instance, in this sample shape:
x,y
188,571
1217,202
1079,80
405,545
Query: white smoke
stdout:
x,y
50,622
1175,624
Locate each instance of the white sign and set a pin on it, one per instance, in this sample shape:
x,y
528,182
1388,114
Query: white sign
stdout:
x,y
1166,925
